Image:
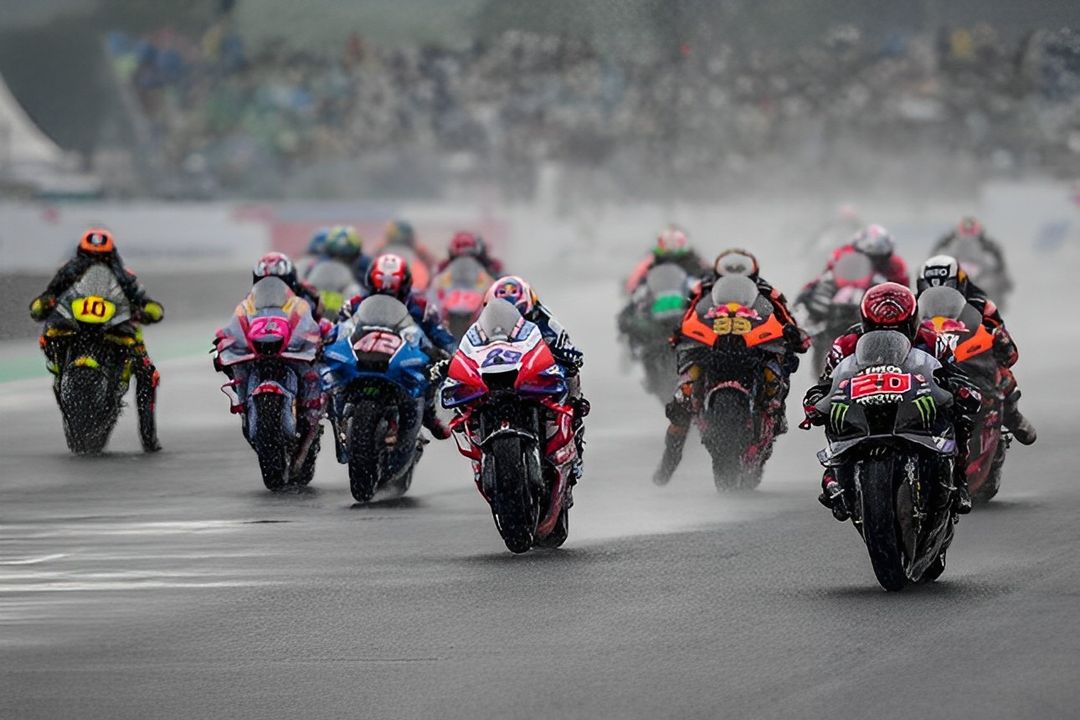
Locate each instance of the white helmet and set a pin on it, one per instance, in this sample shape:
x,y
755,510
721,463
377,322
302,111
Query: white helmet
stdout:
x,y
875,242
940,270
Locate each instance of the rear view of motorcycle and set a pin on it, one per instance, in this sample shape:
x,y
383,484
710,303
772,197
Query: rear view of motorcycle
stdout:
x,y
268,351
891,445
334,282
458,292
376,372
833,306
730,344
953,328
95,319
648,321
513,422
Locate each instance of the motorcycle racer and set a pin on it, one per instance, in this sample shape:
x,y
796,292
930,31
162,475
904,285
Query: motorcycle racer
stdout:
x,y
390,275
470,244
316,251
518,292
97,246
875,243
891,306
943,270
679,410
400,233
310,394
970,229
672,246
277,264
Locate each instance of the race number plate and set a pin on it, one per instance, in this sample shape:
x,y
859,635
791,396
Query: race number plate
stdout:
x,y
93,309
731,326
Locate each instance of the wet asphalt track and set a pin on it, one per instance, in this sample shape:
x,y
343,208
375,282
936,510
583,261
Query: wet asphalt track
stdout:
x,y
174,586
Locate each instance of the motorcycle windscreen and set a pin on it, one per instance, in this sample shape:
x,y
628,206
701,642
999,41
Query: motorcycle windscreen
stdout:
x,y
851,268
500,321
734,289
270,292
383,311
330,275
882,347
667,288
98,287
971,256
467,272
941,301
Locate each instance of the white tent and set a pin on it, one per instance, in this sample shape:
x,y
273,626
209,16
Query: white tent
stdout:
x,y
21,141
28,157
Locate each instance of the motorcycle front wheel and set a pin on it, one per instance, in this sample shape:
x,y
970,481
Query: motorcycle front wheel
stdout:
x,y
269,441
512,503
880,529
89,409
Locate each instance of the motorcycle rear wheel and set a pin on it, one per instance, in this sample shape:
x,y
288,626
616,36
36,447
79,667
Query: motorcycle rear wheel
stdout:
x,y
990,488
512,504
880,528
271,447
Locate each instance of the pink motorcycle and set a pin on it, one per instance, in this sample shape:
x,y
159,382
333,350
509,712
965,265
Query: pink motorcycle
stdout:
x,y
268,350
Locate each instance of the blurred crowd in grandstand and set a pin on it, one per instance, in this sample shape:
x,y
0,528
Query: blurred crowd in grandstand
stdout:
x,y
700,119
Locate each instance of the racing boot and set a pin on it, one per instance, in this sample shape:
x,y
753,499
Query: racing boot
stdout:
x,y
147,379
674,441
832,496
434,424
962,498
581,410
1015,422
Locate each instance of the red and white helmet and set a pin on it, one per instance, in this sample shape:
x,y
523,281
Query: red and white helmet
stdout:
x,y
970,227
274,264
671,242
390,275
515,290
890,306
874,241
466,243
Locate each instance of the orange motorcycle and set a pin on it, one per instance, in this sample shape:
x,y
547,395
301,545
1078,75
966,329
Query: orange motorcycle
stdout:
x,y
731,346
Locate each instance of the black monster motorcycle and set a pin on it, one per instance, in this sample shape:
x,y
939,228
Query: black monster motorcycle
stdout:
x,y
891,445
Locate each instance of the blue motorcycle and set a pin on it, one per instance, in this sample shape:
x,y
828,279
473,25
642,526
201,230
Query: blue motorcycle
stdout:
x,y
376,372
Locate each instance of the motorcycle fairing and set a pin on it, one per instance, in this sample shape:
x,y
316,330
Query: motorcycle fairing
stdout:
x,y
96,298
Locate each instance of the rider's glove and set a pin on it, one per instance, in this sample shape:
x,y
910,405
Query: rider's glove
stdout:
x,y
437,373
571,359
42,306
152,311
810,400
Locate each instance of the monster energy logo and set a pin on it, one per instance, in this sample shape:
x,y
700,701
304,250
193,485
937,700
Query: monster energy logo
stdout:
x,y
837,415
927,409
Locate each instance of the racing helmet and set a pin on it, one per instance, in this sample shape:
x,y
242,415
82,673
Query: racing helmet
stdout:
x,y
390,275
96,242
874,241
969,227
671,242
941,270
343,243
516,291
890,306
736,261
317,244
466,243
400,232
274,264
